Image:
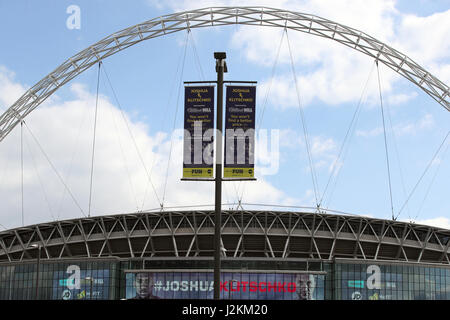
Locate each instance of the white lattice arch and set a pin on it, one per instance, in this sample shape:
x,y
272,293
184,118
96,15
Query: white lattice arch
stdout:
x,y
220,16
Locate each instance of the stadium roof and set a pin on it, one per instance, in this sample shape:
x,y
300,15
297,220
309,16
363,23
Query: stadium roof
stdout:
x,y
245,234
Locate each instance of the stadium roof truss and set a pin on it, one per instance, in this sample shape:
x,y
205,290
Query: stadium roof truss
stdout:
x,y
245,234
221,16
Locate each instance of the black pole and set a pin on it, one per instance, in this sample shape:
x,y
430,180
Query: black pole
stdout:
x,y
92,280
220,69
37,271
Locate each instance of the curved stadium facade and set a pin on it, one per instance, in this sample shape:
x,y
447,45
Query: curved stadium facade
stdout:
x,y
265,254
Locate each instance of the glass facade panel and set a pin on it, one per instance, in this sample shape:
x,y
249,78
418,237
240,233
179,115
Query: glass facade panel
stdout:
x,y
106,280
392,282
56,281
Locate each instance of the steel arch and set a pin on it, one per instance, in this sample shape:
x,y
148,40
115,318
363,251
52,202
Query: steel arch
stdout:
x,y
220,16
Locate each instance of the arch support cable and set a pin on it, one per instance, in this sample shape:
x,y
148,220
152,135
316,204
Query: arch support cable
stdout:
x,y
149,174
385,143
305,129
340,160
175,117
54,169
425,171
261,115
21,170
93,140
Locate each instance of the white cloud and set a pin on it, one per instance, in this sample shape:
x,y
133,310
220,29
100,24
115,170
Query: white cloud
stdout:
x,y
374,17
369,133
401,98
406,128
330,72
425,40
325,70
9,90
322,146
290,139
324,154
425,123
439,222
182,5
280,93
335,73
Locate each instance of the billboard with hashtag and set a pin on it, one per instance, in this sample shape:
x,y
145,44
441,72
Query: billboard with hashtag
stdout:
x,y
233,285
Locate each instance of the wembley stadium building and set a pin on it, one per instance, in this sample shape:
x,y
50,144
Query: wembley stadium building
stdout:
x,y
266,255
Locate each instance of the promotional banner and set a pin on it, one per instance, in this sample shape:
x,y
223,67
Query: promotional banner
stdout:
x,y
233,285
198,148
371,283
240,132
78,284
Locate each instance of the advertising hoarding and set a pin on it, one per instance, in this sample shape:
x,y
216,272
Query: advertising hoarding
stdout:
x,y
77,284
233,285
240,132
372,282
198,147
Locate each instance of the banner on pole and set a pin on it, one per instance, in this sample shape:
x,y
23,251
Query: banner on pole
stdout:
x,y
240,132
198,148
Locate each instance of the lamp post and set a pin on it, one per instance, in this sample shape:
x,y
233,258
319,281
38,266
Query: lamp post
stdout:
x,y
38,246
221,67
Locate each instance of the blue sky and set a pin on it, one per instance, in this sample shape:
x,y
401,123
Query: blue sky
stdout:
x,y
147,79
